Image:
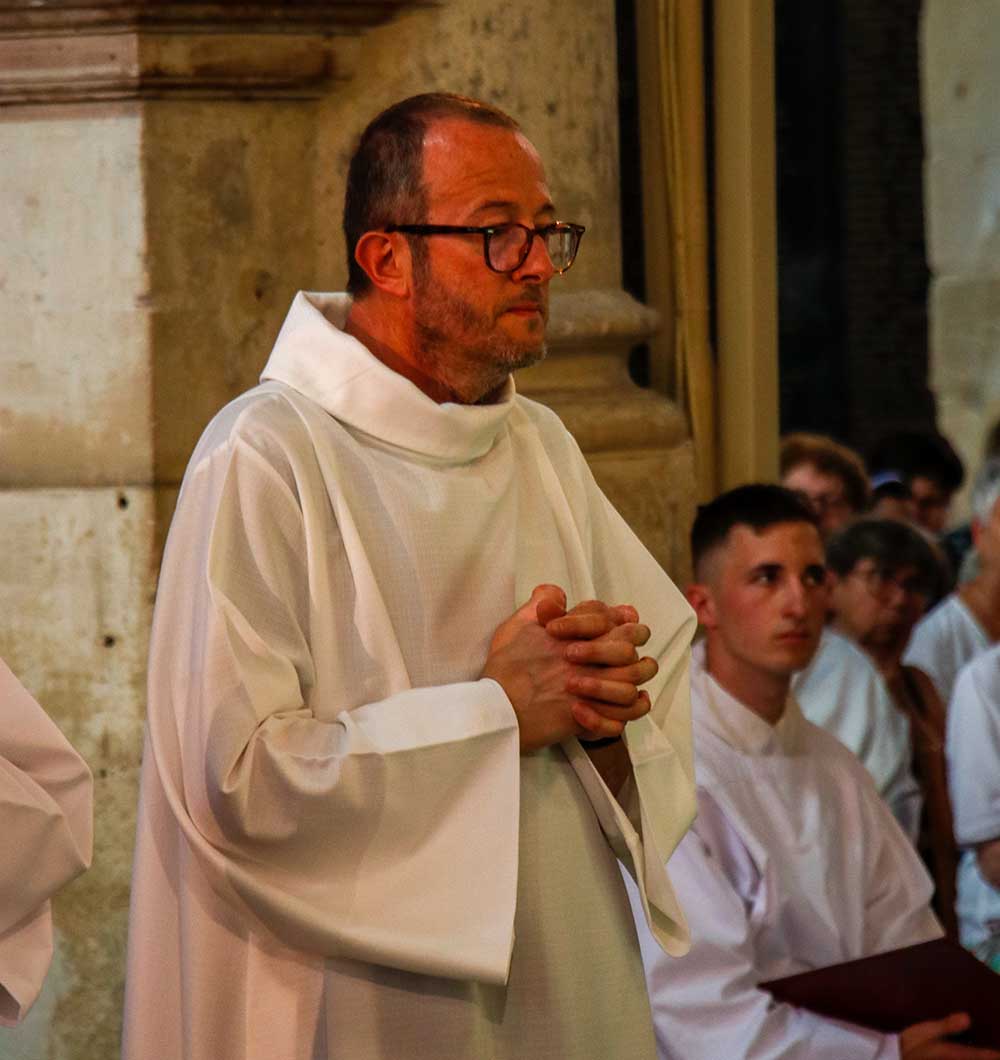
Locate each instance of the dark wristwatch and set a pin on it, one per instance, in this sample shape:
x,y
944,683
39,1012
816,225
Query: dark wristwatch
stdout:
x,y
601,741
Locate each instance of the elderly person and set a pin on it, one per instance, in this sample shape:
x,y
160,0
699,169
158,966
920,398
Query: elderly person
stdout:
x,y
967,621
882,574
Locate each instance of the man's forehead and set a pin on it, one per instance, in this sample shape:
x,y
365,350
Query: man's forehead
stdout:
x,y
784,544
480,164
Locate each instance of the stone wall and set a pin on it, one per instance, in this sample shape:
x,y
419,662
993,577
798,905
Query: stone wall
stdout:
x,y
170,192
961,79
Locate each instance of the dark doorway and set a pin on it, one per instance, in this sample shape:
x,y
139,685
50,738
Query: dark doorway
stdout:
x,y
852,271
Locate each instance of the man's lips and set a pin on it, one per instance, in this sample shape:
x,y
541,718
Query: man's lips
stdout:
x,y
794,636
525,309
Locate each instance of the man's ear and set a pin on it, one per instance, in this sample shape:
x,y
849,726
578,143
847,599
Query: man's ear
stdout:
x,y
699,596
385,258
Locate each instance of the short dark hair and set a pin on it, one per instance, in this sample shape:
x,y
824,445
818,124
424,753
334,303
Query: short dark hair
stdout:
x,y
830,458
759,505
923,454
385,178
892,544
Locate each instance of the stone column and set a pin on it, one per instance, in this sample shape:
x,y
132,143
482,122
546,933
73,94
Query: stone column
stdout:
x,y
961,79
175,172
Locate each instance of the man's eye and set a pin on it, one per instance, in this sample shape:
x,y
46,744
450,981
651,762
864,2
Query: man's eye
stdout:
x,y
814,577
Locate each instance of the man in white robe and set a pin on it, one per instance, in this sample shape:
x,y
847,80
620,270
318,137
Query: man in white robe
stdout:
x,y
368,828
967,621
46,793
974,776
794,862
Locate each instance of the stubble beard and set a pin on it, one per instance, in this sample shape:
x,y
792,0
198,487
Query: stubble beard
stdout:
x,y
475,369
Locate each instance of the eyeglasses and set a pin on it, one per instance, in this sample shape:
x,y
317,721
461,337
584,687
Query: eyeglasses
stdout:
x,y
506,247
880,582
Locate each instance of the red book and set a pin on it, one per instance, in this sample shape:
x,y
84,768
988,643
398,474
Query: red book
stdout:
x,y
891,991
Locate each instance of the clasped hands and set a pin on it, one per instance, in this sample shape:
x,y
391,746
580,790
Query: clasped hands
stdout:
x,y
574,673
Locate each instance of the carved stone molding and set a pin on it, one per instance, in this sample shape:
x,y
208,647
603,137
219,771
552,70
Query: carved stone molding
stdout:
x,y
66,51
586,380
636,441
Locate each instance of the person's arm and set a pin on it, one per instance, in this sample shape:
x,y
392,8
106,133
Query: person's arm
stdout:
x,y
45,796
707,1005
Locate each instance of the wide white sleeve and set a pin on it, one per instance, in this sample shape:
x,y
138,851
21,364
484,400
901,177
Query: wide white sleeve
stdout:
x,y
46,808
707,1005
383,831
973,747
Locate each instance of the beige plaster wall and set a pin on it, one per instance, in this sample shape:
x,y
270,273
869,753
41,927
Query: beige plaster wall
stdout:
x,y
961,82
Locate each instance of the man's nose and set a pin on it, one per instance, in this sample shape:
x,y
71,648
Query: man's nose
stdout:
x,y
537,266
796,597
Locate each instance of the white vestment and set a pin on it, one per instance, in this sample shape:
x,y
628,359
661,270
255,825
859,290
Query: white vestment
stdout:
x,y
793,863
842,691
47,813
341,852
974,780
943,641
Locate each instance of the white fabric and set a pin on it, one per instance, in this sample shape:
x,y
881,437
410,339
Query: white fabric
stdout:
x,y
842,692
943,641
341,852
47,813
793,863
974,780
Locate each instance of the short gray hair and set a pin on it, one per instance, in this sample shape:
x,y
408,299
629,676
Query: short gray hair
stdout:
x,y
986,489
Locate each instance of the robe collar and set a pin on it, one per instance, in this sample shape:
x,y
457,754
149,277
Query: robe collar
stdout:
x,y
723,715
315,357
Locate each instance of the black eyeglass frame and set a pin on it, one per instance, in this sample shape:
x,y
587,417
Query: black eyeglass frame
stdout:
x,y
488,231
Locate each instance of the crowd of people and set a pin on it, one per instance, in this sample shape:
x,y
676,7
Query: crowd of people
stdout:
x,y
431,768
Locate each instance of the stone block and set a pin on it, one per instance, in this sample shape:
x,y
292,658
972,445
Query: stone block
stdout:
x,y
76,588
965,336
961,76
74,388
963,213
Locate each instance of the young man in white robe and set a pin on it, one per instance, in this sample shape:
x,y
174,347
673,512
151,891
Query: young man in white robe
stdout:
x,y
374,822
967,621
794,862
46,805
973,748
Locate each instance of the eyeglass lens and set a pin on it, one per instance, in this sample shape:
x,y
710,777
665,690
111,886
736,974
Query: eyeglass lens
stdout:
x,y
508,247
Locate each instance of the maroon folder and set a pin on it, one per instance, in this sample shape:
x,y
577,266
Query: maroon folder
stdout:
x,y
891,991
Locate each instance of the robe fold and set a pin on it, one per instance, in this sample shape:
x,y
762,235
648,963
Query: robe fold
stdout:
x,y
46,807
793,863
842,692
341,852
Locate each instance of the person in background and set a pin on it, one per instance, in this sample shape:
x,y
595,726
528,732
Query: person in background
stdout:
x,y
793,862
967,621
46,796
927,466
882,574
974,772
830,475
